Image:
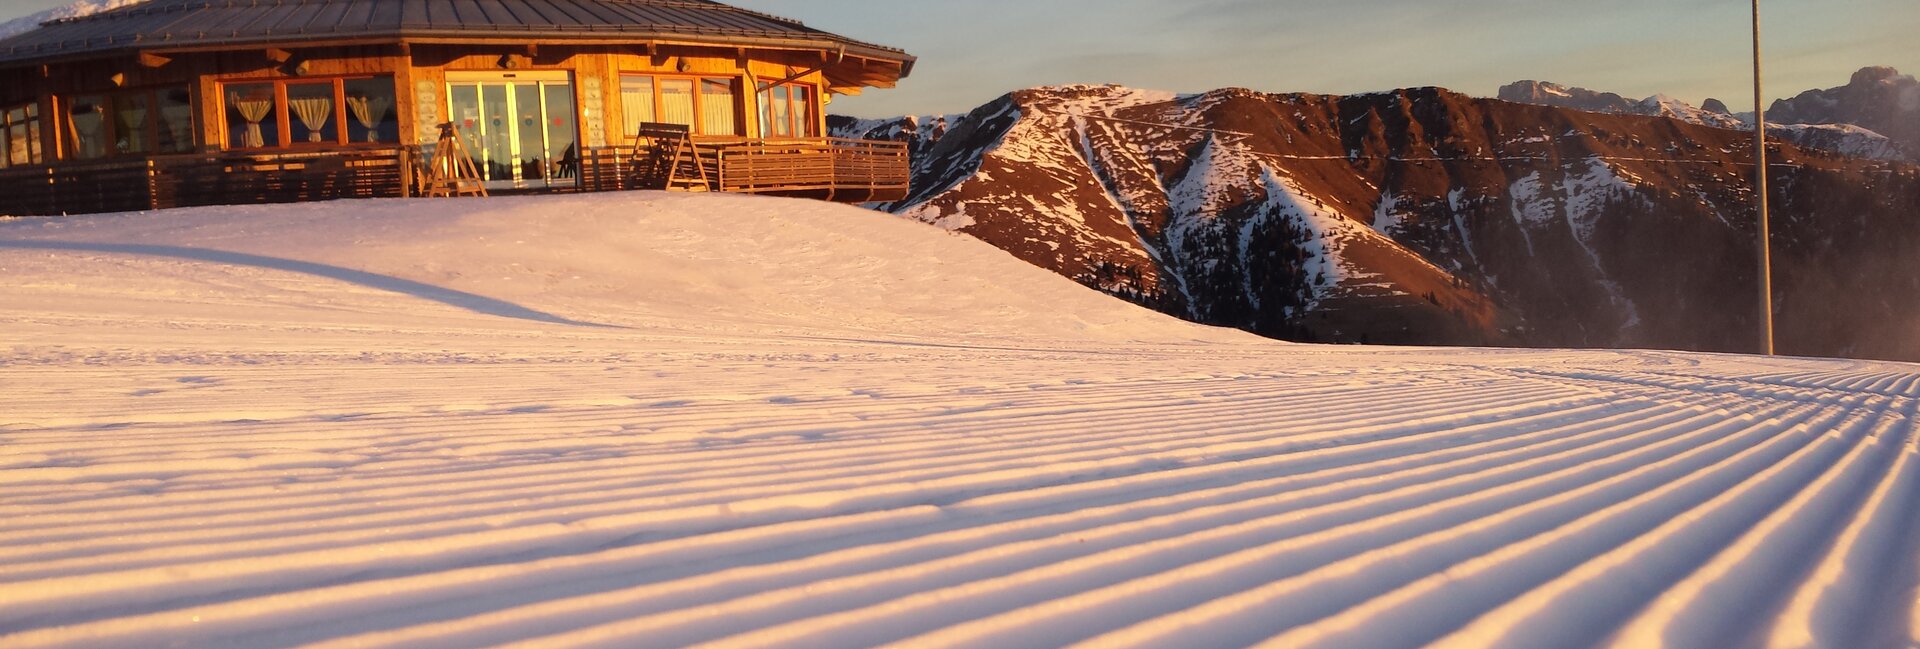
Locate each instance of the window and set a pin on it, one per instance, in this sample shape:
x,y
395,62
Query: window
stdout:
x,y
130,114
175,123
310,112
370,103
786,110
312,119
717,107
251,123
130,123
709,105
87,127
20,128
636,100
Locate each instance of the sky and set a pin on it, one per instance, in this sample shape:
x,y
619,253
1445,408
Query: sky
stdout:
x,y
971,51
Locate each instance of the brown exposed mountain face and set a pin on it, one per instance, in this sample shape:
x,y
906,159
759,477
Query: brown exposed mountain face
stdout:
x,y
1428,217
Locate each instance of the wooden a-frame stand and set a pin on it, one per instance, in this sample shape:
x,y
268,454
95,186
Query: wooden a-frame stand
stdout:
x,y
664,158
451,171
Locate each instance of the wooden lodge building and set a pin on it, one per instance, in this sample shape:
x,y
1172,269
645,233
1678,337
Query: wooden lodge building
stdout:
x,y
199,102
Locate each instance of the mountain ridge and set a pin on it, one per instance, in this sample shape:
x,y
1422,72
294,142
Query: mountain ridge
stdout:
x,y
1424,216
1873,116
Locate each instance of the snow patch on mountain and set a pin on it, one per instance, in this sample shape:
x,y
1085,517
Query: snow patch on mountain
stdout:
x,y
1327,232
1214,182
1588,198
1387,214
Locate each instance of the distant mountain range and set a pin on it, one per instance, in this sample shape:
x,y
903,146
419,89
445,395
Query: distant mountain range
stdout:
x,y
1876,115
75,10
1425,216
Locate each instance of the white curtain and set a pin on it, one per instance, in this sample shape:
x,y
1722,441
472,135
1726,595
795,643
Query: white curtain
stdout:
x,y
177,119
782,106
313,113
133,130
802,112
676,101
17,152
717,107
636,103
370,111
88,131
254,111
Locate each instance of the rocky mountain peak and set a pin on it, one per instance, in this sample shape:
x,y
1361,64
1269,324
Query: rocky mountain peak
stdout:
x,y
1877,74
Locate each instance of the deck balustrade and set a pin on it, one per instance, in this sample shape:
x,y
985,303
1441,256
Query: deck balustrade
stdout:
x,y
825,168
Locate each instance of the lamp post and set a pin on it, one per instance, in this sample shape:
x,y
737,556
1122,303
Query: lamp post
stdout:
x,y
1760,193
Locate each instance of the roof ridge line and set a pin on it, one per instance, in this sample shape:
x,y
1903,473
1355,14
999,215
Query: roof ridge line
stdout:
x,y
708,4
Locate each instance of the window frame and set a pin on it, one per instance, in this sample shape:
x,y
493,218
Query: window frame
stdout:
x,y
28,122
283,117
811,127
699,101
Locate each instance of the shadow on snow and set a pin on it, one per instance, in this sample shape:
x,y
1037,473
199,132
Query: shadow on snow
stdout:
x,y
471,302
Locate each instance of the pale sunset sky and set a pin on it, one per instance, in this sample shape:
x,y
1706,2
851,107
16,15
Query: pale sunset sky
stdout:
x,y
974,50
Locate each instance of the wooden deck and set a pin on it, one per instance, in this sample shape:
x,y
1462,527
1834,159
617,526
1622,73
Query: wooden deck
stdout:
x,y
824,168
827,168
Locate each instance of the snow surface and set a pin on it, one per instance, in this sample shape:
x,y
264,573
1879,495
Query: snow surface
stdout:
x,y
662,420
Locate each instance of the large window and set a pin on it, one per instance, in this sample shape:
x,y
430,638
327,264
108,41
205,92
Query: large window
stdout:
x,y
87,127
20,127
312,118
370,105
133,122
786,110
310,112
709,105
175,122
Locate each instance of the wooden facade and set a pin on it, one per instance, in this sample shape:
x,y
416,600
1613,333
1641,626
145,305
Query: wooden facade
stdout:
x,y
161,124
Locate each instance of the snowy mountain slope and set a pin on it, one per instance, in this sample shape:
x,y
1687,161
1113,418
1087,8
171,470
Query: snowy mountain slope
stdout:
x,y
648,420
81,8
1427,217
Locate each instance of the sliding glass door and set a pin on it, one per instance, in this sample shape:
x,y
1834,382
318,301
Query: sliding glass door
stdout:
x,y
519,127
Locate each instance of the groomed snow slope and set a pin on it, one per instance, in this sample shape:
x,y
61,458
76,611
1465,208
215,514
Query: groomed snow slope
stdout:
x,y
651,420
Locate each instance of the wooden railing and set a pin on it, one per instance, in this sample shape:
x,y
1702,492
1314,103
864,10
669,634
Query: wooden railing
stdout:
x,y
197,179
77,188
832,169
181,181
828,168
871,170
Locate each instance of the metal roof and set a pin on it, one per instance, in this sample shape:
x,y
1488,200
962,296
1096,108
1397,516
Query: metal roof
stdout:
x,y
169,24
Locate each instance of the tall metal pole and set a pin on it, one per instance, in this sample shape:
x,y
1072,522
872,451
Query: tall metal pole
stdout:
x,y
1760,193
